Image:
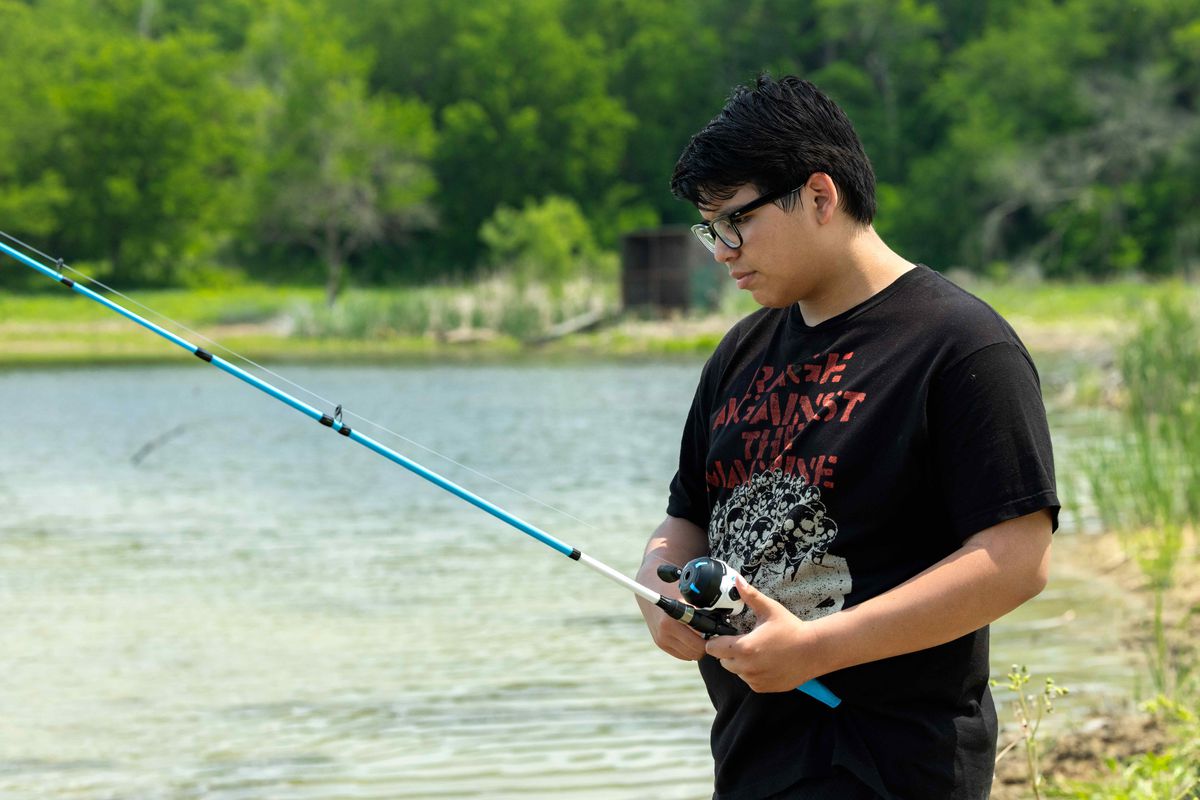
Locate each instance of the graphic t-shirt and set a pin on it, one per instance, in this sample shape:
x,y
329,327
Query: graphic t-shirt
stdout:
x,y
831,463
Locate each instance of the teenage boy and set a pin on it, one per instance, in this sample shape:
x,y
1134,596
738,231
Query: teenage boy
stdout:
x,y
870,450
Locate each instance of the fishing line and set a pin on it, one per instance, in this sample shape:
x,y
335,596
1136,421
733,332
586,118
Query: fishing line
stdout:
x,y
707,620
30,247
62,266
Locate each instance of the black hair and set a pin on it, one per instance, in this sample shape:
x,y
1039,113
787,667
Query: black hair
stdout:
x,y
773,136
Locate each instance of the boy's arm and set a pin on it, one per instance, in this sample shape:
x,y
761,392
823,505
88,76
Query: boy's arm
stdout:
x,y
676,541
994,571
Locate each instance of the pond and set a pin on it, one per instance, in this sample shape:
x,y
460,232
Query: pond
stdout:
x,y
207,595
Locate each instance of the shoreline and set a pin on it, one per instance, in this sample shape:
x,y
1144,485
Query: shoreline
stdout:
x,y
124,343
1081,321
1094,751
127,344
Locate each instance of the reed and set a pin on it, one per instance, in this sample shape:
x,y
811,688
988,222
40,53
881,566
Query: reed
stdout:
x,y
487,309
1145,477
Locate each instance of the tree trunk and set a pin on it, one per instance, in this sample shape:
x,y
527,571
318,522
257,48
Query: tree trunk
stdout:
x,y
334,267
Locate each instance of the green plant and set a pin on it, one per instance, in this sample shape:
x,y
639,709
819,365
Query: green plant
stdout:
x,y
548,242
1029,710
1145,481
488,307
1172,774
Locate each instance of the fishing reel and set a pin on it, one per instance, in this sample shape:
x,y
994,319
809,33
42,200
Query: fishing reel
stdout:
x,y
709,585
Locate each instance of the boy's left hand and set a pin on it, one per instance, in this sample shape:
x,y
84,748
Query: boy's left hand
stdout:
x,y
774,657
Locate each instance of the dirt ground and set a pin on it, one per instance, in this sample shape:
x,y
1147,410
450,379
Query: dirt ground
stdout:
x,y
1081,754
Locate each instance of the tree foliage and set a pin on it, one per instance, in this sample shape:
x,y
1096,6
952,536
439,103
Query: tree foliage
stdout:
x,y
144,151
544,242
345,169
389,139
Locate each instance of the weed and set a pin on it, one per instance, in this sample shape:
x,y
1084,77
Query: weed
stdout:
x,y
1030,709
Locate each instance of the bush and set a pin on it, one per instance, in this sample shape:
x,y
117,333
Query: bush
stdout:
x,y
547,242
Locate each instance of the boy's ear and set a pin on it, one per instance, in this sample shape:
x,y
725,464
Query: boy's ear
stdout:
x,y
824,194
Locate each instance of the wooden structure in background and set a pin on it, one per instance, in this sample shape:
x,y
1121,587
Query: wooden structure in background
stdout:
x,y
667,269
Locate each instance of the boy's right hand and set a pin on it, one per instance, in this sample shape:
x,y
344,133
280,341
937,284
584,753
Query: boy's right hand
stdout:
x,y
675,541
672,636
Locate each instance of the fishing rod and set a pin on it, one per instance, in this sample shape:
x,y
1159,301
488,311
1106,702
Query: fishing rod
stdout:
x,y
694,578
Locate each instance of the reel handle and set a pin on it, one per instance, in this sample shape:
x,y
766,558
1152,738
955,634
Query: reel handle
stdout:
x,y
668,573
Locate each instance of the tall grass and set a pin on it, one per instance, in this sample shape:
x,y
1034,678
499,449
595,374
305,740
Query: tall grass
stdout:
x,y
1145,479
494,307
1145,482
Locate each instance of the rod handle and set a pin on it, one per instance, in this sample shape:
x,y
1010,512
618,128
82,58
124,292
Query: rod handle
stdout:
x,y
820,692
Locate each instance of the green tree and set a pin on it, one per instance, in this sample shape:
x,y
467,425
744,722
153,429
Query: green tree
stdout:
x,y
1058,131
341,169
778,36
535,116
523,106
1097,192
31,191
1069,157
661,56
146,145
996,106
887,52
226,21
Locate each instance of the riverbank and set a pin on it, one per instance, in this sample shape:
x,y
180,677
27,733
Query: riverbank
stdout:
x,y
1143,750
425,325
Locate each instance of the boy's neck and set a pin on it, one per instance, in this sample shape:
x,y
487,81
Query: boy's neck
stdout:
x,y
866,266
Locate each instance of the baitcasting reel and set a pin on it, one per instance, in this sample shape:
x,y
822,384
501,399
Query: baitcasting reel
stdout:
x,y
710,585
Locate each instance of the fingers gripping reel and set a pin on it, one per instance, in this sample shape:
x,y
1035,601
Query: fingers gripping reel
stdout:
x,y
708,587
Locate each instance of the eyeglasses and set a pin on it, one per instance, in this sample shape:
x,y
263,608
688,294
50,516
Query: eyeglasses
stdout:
x,y
725,228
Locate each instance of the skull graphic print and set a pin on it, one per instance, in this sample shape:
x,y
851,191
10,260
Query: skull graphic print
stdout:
x,y
773,529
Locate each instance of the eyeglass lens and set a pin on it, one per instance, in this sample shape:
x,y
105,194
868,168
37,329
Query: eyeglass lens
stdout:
x,y
723,228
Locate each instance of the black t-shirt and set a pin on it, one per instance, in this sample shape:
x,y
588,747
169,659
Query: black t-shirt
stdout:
x,y
829,464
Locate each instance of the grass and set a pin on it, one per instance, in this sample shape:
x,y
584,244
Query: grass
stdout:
x,y
251,303
255,320
1145,482
1145,478
1060,303
1044,301
486,320
1030,710
483,310
1168,773
489,319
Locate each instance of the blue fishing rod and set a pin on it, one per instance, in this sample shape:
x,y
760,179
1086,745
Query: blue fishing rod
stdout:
x,y
707,582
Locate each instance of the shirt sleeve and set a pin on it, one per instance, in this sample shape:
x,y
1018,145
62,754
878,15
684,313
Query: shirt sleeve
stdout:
x,y
990,440
689,491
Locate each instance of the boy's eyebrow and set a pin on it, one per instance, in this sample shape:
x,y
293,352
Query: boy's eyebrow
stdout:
x,y
720,211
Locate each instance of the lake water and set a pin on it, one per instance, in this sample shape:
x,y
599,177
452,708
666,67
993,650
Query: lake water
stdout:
x,y
206,595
